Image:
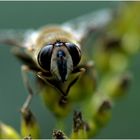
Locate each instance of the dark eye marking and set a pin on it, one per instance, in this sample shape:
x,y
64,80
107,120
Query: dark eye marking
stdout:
x,y
44,57
74,52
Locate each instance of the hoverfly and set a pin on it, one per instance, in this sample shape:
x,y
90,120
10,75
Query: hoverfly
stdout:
x,y
54,52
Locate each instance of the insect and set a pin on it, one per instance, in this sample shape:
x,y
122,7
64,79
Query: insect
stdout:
x,y
53,52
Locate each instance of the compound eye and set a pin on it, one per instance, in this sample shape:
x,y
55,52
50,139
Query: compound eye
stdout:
x,y
44,57
74,52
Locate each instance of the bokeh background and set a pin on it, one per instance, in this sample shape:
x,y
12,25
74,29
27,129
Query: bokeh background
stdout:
x,y
125,122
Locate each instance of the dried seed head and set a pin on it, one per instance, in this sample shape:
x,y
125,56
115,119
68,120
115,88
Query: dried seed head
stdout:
x,y
58,134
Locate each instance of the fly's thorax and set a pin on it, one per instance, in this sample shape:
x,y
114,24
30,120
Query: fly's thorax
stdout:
x,y
50,33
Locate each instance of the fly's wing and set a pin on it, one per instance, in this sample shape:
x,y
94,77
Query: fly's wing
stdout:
x,y
81,26
18,38
85,26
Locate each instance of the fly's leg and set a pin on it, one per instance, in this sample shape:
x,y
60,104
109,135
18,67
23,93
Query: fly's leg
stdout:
x,y
25,58
28,66
46,77
25,70
11,42
92,73
81,71
89,69
63,99
83,67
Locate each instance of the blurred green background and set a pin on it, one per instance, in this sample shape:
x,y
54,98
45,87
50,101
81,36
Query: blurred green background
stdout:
x,y
125,122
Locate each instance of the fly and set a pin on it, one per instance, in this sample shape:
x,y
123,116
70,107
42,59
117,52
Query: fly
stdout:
x,y
54,52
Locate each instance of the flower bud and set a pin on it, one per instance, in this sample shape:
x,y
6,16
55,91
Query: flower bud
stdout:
x,y
80,127
100,107
7,132
29,125
115,86
59,105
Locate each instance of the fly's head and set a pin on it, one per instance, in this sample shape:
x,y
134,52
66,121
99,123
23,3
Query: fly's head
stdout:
x,y
59,58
